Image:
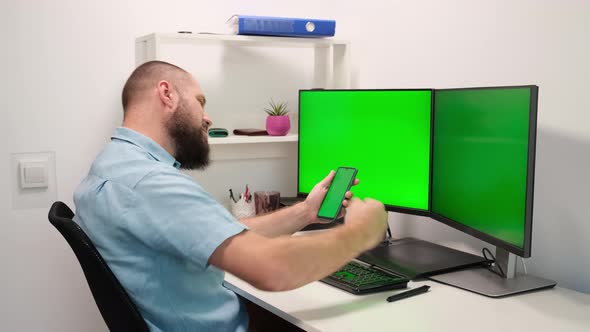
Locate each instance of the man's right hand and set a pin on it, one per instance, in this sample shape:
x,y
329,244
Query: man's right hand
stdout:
x,y
369,218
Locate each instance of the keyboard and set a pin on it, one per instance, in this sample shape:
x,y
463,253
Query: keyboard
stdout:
x,y
359,278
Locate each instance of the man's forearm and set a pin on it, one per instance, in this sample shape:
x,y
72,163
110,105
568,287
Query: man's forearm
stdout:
x,y
282,222
289,262
311,257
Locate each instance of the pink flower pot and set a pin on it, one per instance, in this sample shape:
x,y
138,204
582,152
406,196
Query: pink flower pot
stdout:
x,y
278,125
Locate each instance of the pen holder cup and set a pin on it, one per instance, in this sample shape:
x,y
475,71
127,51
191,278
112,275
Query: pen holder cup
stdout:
x,y
266,201
242,209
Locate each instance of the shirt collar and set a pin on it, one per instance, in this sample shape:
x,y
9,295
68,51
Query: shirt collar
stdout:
x,y
145,143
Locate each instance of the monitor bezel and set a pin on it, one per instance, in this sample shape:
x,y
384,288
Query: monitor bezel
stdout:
x,y
390,208
525,251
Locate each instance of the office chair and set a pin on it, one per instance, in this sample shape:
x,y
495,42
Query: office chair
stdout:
x,y
118,311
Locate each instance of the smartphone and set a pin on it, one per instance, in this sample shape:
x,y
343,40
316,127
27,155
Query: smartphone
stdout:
x,y
341,183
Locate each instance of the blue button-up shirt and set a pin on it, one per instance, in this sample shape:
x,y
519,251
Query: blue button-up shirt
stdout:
x,y
156,228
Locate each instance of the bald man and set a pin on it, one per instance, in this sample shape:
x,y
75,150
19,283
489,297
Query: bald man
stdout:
x,y
168,241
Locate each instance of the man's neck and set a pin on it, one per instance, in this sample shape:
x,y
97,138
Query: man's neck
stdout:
x,y
154,131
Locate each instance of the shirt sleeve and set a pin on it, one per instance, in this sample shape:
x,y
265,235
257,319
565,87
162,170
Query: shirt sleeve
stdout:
x,y
179,218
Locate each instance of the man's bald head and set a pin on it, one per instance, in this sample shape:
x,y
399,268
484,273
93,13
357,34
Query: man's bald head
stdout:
x,y
147,76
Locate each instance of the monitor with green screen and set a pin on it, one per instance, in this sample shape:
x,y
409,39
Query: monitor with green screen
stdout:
x,y
385,134
483,163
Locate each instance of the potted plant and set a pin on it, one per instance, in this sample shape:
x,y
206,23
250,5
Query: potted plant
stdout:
x,y
277,121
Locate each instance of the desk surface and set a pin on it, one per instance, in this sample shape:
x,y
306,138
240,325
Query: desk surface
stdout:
x,y
320,307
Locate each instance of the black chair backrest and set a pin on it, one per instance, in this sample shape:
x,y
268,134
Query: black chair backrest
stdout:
x,y
116,308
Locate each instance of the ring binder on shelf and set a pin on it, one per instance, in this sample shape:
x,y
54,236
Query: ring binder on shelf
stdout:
x,y
281,26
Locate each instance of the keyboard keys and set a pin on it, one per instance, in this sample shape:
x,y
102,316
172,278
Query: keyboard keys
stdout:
x,y
357,278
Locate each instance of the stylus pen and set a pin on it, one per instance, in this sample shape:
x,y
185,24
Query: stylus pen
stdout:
x,y
411,292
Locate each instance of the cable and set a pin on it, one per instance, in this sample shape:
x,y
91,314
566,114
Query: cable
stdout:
x,y
388,231
493,261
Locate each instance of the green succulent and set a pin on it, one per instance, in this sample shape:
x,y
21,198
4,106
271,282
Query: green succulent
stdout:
x,y
276,109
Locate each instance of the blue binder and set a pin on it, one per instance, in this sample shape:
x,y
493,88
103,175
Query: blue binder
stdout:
x,y
282,26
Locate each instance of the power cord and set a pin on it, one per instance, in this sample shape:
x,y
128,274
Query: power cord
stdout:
x,y
493,262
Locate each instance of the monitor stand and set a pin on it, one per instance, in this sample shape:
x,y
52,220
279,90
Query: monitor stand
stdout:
x,y
416,258
483,281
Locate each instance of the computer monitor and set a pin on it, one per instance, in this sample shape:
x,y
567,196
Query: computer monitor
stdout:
x,y
466,159
385,134
483,171
484,163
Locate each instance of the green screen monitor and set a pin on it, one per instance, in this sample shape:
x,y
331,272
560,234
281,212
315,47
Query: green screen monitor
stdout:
x,y
483,163
385,134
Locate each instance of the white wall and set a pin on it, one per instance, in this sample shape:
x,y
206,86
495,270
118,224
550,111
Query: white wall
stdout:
x,y
67,60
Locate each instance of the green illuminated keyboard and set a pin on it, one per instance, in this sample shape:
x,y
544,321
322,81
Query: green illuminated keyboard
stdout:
x,y
359,278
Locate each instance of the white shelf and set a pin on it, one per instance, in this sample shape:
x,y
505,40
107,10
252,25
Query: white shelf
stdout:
x,y
238,139
331,56
269,41
331,70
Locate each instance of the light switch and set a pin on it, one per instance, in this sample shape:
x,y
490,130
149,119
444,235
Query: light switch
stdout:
x,y
33,179
33,173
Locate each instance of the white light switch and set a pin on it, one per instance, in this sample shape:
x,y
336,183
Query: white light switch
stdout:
x,y
33,173
33,179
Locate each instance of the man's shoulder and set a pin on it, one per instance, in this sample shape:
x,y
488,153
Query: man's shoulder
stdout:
x,y
128,165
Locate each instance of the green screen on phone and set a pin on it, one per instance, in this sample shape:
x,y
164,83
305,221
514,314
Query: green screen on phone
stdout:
x,y
340,184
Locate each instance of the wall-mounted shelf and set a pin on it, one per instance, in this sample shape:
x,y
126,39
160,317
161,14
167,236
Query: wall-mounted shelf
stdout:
x,y
331,69
252,139
243,40
331,59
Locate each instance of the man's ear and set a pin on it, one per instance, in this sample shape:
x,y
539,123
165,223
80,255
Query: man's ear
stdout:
x,y
167,94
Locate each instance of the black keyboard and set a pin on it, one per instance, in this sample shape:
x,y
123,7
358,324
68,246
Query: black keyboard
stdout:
x,y
359,278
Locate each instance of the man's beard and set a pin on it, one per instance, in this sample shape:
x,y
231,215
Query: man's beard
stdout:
x,y
192,148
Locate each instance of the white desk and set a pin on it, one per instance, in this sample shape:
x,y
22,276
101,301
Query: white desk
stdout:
x,y
319,307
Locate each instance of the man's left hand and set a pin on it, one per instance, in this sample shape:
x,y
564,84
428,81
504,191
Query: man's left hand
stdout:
x,y
317,194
